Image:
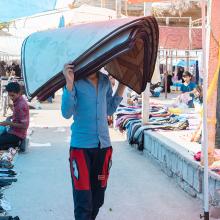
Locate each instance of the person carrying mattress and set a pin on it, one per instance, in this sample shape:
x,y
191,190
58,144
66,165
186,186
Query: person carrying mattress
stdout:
x,y
89,101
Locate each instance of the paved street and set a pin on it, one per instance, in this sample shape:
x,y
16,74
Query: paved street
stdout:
x,y
137,189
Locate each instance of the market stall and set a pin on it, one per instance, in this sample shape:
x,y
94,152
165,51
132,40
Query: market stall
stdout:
x,y
208,126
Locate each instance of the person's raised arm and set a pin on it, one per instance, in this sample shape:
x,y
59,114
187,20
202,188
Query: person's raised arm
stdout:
x,y
69,93
114,101
120,89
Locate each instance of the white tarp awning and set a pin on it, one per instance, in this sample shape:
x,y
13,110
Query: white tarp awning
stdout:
x,y
22,28
13,9
11,45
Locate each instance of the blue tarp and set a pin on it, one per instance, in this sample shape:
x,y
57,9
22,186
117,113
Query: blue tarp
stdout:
x,y
183,63
13,9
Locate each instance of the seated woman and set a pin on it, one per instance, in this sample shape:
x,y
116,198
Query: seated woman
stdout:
x,y
20,118
188,87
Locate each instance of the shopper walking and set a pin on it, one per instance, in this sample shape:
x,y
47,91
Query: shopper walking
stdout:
x,y
89,101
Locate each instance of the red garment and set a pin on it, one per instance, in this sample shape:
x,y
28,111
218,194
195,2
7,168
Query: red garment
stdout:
x,y
21,116
197,156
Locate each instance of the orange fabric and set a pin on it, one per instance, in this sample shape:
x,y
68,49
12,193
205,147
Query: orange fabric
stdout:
x,y
213,64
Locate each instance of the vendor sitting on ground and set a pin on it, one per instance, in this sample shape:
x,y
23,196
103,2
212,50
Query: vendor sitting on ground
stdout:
x,y
17,127
188,87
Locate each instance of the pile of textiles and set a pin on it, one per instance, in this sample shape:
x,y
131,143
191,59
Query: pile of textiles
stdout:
x,y
7,177
129,119
126,114
7,158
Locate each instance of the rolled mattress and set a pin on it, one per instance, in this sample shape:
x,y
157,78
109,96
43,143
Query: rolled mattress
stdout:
x,y
126,48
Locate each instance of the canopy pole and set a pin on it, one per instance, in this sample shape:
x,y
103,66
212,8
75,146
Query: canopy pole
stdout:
x,y
118,8
187,60
190,33
205,87
146,104
146,93
102,3
190,40
126,7
166,75
171,64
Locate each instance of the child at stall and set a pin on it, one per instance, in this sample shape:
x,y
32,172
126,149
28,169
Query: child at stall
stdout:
x,y
188,87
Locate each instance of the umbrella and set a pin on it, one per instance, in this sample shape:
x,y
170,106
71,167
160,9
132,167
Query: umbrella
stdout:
x,y
183,63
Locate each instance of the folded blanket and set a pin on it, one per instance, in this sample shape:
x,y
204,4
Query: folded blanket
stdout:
x,y
127,48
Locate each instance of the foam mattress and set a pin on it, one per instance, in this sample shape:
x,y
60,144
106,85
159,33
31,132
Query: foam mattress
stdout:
x,y
126,48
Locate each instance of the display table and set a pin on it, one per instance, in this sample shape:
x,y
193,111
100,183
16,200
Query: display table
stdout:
x,y
177,162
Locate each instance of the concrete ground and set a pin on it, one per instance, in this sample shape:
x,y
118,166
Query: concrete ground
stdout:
x,y
137,189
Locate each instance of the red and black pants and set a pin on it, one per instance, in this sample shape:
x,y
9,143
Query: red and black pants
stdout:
x,y
89,171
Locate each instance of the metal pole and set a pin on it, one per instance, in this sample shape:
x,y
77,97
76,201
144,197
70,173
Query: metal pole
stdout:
x,y
165,75
126,7
190,33
118,8
102,3
187,60
145,104
176,71
147,8
171,61
190,39
146,93
171,64
204,129
167,21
